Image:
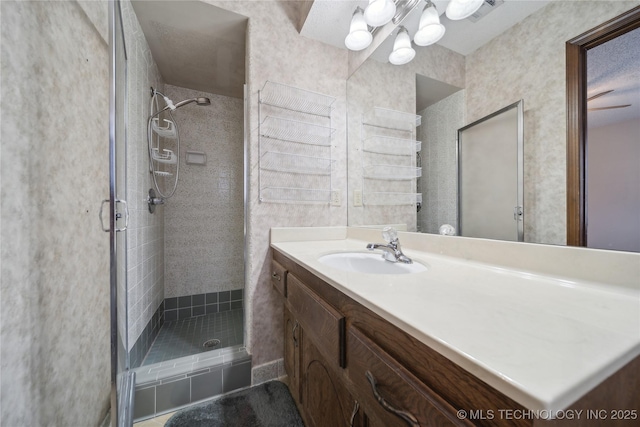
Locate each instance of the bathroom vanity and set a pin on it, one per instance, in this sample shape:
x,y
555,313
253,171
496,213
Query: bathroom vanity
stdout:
x,y
492,333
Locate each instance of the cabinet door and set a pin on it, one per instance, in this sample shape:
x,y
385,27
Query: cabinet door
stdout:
x,y
325,399
292,335
322,323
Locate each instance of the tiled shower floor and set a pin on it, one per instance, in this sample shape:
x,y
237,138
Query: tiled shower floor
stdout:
x,y
186,337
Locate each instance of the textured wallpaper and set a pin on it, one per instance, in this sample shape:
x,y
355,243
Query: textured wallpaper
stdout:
x,y
55,361
528,62
204,220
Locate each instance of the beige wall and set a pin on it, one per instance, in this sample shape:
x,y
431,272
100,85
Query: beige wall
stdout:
x,y
613,186
55,361
204,220
528,62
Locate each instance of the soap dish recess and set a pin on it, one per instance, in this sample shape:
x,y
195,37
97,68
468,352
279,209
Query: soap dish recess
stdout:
x,y
196,158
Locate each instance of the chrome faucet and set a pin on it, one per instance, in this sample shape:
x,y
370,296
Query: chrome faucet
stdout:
x,y
391,251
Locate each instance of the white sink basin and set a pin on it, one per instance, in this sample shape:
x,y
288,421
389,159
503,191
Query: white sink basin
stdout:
x,y
371,263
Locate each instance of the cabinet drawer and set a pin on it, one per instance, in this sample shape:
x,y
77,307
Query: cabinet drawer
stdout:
x,y
408,401
323,324
279,277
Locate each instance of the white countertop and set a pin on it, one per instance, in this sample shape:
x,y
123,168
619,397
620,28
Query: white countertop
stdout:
x,y
543,341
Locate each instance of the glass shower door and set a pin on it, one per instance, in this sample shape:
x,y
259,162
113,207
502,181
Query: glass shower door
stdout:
x,y
490,176
122,379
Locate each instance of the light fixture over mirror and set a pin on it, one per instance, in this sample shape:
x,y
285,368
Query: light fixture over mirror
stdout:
x,y
462,9
430,29
359,36
424,27
379,12
402,52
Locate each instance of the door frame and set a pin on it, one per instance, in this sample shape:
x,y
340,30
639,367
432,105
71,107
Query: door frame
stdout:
x,y
576,57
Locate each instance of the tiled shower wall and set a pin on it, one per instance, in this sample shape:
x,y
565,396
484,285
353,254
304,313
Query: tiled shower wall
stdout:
x,y
145,245
204,220
438,183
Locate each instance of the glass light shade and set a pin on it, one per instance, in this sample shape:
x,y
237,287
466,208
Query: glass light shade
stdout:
x,y
461,9
430,28
379,12
359,36
402,50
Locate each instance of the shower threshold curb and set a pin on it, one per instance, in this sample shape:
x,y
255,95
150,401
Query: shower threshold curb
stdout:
x,y
167,386
177,368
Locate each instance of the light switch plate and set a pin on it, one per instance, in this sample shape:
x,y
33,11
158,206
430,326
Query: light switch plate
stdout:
x,y
335,198
357,198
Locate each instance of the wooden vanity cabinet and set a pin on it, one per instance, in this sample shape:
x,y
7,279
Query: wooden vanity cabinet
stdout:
x,y
339,340
313,355
343,347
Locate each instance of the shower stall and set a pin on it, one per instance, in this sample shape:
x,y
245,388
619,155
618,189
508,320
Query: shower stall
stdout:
x,y
195,163
179,159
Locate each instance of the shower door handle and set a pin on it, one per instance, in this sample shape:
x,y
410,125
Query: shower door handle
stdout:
x,y
118,215
126,214
517,213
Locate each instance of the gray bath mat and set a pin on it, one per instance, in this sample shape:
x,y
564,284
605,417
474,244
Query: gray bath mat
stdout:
x,y
265,405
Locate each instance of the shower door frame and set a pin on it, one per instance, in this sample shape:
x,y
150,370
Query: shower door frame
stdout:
x,y
519,207
122,378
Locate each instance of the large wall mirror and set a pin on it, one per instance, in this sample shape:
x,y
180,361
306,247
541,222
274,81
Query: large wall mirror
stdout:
x,y
472,72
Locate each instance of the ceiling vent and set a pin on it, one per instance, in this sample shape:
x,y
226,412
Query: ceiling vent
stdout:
x,y
487,7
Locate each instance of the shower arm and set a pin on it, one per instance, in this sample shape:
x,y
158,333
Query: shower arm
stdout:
x,y
172,107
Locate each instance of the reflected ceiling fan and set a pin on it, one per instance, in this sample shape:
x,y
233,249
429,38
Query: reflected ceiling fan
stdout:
x,y
598,95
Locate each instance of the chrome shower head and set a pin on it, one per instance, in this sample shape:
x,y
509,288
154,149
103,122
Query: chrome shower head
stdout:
x,y
199,101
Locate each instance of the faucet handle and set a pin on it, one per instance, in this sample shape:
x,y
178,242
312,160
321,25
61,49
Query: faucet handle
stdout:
x,y
389,234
